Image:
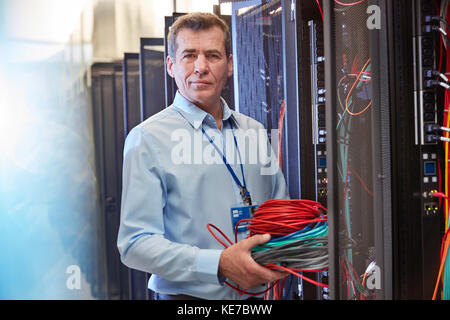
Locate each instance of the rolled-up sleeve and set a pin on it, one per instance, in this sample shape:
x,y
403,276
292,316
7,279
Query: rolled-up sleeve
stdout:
x,y
141,240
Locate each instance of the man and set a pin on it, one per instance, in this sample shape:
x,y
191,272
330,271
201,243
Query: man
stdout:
x,y
168,199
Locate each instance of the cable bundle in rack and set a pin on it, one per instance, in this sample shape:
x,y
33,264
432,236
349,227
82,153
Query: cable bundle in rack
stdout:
x,y
299,238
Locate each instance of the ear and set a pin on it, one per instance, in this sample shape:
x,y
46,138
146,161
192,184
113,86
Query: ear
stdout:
x,y
169,64
230,65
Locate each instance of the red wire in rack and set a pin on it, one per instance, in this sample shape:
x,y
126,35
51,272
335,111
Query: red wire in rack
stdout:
x,y
349,4
320,8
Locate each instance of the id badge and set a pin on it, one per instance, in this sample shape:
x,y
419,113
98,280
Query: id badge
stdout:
x,y
238,213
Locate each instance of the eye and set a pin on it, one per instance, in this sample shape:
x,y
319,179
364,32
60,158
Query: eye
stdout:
x,y
213,56
189,56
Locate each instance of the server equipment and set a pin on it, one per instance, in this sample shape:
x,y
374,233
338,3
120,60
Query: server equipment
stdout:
x,y
107,101
152,67
354,96
384,107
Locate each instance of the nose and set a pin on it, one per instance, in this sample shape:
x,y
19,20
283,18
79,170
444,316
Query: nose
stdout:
x,y
201,65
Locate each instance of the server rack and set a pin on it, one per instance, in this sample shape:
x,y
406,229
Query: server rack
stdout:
x,y
152,74
383,157
359,208
418,216
311,88
260,72
108,124
131,91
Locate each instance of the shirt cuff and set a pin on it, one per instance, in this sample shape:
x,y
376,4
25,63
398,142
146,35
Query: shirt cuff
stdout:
x,y
208,265
221,279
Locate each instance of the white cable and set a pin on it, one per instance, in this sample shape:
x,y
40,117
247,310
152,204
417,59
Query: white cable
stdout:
x,y
445,129
445,85
442,76
443,14
371,267
430,83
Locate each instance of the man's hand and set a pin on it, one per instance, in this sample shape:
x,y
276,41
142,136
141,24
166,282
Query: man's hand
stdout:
x,y
237,264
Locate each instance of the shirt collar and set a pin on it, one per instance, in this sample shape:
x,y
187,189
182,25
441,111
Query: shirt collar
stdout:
x,y
195,116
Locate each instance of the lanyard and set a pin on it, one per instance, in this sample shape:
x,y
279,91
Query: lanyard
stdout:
x,y
243,187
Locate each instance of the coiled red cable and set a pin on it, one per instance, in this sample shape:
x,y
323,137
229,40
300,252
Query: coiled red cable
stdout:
x,y
279,217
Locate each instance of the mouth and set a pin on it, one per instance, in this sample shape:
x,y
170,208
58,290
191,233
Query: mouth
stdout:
x,y
200,82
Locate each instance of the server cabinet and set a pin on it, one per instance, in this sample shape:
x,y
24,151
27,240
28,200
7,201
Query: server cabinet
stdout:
x,y
418,103
311,88
265,76
151,59
359,171
107,113
383,158
131,92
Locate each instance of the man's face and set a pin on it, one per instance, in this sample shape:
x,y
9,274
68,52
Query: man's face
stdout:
x,y
201,67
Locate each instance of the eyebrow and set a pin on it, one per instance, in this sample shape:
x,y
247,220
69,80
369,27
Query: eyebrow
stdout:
x,y
207,51
188,51
214,51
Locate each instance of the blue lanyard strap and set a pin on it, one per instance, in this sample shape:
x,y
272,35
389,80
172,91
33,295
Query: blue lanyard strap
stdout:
x,y
244,193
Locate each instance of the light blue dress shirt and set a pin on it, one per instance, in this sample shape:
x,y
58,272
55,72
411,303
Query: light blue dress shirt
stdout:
x,y
175,183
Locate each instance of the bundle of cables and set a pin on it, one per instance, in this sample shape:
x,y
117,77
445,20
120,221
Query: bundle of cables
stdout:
x,y
299,237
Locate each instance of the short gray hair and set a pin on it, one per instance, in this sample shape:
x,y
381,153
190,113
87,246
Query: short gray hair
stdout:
x,y
197,21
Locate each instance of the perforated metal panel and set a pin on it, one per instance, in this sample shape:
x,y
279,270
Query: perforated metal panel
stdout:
x,y
358,152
